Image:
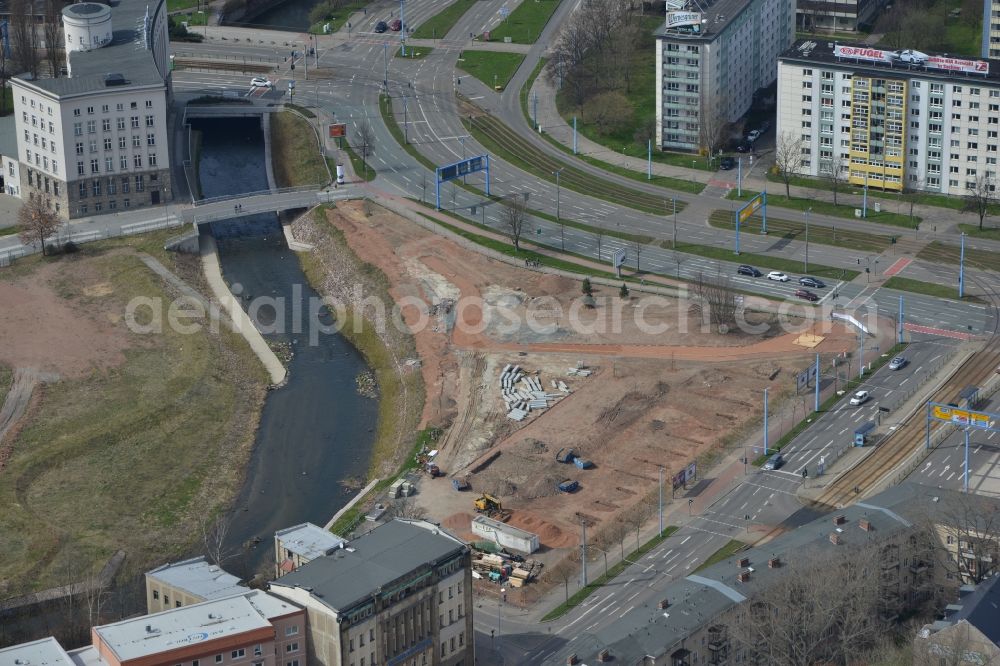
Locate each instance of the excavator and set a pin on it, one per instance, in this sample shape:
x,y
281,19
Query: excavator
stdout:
x,y
489,505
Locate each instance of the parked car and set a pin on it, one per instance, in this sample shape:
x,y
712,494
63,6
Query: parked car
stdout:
x,y
381,27
913,57
812,282
774,462
727,163
898,362
395,25
745,269
260,82
777,276
860,398
753,135
807,295
744,147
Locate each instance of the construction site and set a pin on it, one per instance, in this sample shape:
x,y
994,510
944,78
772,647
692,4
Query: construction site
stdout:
x,y
556,423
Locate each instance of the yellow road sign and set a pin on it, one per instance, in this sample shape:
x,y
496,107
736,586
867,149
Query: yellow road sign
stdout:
x,y
752,207
961,416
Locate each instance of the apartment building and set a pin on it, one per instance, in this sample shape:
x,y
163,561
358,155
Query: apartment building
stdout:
x,y
969,631
891,120
710,60
191,581
299,544
95,141
991,29
9,165
399,595
692,623
837,15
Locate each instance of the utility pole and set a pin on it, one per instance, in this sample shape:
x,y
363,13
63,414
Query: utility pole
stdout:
x,y
673,240
965,480
864,198
816,397
583,560
899,335
562,233
649,159
765,421
739,177
402,30
661,500
806,264
406,126
385,61
961,269
861,356
574,135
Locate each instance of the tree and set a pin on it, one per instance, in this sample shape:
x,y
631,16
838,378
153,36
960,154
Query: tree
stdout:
x,y
4,78
609,111
366,139
982,194
586,287
37,221
711,126
407,507
213,539
623,292
970,530
832,171
788,158
53,35
566,570
23,37
513,218
717,294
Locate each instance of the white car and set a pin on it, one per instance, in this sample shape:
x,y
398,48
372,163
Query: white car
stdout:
x,y
915,57
777,276
260,82
753,135
860,398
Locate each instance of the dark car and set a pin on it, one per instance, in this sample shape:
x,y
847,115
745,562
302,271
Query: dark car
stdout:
x,y
727,163
807,295
812,282
744,147
744,269
774,462
381,26
396,25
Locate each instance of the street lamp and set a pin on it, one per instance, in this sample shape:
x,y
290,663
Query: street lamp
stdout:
x,y
605,557
500,596
806,265
562,234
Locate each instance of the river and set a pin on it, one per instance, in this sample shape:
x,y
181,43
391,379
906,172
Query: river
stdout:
x,y
316,433
290,16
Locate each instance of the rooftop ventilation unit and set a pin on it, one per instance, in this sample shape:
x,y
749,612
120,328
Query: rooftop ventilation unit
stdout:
x,y
115,79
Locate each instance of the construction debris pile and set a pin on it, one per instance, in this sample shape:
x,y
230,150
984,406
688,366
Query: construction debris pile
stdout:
x,y
500,568
523,393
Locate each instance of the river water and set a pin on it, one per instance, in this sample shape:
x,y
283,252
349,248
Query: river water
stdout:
x,y
316,432
290,16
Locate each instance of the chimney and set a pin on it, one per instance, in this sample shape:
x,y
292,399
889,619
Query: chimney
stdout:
x,y
663,604
773,563
865,525
834,538
743,576
839,520
743,562
604,655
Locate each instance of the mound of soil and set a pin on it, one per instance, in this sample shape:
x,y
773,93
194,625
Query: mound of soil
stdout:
x,y
548,534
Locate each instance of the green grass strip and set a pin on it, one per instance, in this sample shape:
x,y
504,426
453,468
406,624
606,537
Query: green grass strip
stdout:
x,y
439,25
949,291
734,546
944,253
526,23
366,174
828,208
987,232
766,261
494,68
582,594
821,234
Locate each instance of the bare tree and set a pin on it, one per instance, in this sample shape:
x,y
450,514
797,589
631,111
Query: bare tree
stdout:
x,y
636,517
609,111
366,139
833,171
566,570
982,194
970,529
213,539
23,36
788,158
4,78
407,507
711,126
53,34
719,297
37,221
514,218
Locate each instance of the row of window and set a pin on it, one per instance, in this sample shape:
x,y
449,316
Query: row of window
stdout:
x,y
105,108
122,143
109,164
111,187
42,161
106,124
240,653
41,182
37,122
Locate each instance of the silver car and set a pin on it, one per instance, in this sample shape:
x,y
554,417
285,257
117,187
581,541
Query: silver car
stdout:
x,y
897,363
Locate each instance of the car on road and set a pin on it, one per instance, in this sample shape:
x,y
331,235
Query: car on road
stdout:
x,y
744,147
395,25
807,295
811,282
746,269
860,398
774,462
381,27
727,163
898,362
260,82
777,276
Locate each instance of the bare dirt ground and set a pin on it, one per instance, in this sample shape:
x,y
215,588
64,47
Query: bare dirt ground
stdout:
x,y
655,398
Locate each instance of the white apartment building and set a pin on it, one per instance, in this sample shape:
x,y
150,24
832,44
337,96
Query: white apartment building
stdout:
x,y
931,125
96,141
991,29
712,58
400,595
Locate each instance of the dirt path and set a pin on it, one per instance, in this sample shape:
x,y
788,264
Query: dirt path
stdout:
x,y
22,387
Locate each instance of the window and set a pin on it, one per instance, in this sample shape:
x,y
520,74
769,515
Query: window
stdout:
x,y
149,121
93,145
76,112
294,647
79,168
156,594
150,139
123,162
218,657
95,189
90,110
94,168
125,202
152,159
136,141
91,126
177,604
135,121
149,104
292,630
121,123
81,190
238,654
140,184
106,124
133,105
122,142
112,186
125,185
79,147
137,161
77,129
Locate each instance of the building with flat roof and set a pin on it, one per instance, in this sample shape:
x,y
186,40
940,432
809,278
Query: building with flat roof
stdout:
x,y
710,60
400,594
890,120
43,652
837,15
991,29
9,165
294,546
188,582
95,141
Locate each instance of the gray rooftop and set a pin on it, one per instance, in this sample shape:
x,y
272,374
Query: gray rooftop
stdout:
x,y
124,54
698,599
981,609
717,16
199,577
387,553
8,136
44,652
308,540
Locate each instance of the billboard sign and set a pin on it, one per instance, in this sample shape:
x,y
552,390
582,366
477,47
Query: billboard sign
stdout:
x,y
459,169
678,479
338,130
618,258
692,471
752,207
961,417
683,19
962,65
864,53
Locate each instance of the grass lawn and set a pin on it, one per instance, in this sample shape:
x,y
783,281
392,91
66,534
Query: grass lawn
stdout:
x,y
413,53
525,24
295,155
722,554
764,261
192,18
926,288
10,231
827,208
823,235
493,68
943,253
6,377
437,26
131,456
177,5
990,230
339,20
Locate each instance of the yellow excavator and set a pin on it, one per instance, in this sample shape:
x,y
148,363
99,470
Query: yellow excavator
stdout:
x,y
489,505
